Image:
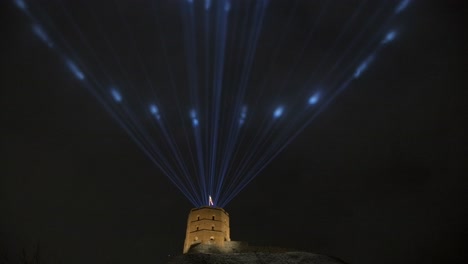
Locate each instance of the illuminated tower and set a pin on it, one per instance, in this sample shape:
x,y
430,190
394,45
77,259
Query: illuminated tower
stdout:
x,y
208,228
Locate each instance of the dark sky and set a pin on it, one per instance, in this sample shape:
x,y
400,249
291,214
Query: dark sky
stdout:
x,y
378,177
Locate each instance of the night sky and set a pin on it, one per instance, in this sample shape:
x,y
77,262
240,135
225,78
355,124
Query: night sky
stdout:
x,y
379,177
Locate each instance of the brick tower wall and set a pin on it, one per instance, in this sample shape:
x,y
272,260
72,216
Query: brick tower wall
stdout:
x,y
207,226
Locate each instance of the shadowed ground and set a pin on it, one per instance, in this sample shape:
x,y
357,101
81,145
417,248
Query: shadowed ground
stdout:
x,y
256,257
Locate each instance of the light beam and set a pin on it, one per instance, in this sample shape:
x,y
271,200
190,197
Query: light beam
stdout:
x,y
207,4
314,98
389,37
278,112
75,70
402,6
362,67
243,115
116,95
193,115
42,35
154,110
21,4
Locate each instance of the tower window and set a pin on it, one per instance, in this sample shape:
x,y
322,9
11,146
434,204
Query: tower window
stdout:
x,y
211,237
212,227
213,217
198,217
197,228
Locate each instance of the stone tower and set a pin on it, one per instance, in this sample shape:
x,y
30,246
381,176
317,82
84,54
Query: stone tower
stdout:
x,y
207,227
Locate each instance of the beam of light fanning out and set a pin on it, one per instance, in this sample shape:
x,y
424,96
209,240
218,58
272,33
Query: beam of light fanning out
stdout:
x,y
214,147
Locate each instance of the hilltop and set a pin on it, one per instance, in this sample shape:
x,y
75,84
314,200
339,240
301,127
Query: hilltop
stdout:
x,y
294,257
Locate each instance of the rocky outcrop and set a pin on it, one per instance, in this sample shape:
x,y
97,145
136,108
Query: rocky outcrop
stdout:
x,y
255,257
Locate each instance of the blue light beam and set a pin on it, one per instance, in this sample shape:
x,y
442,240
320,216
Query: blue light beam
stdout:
x,y
193,115
314,98
207,4
363,66
42,35
154,110
243,115
21,4
116,95
389,37
278,112
75,70
402,6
